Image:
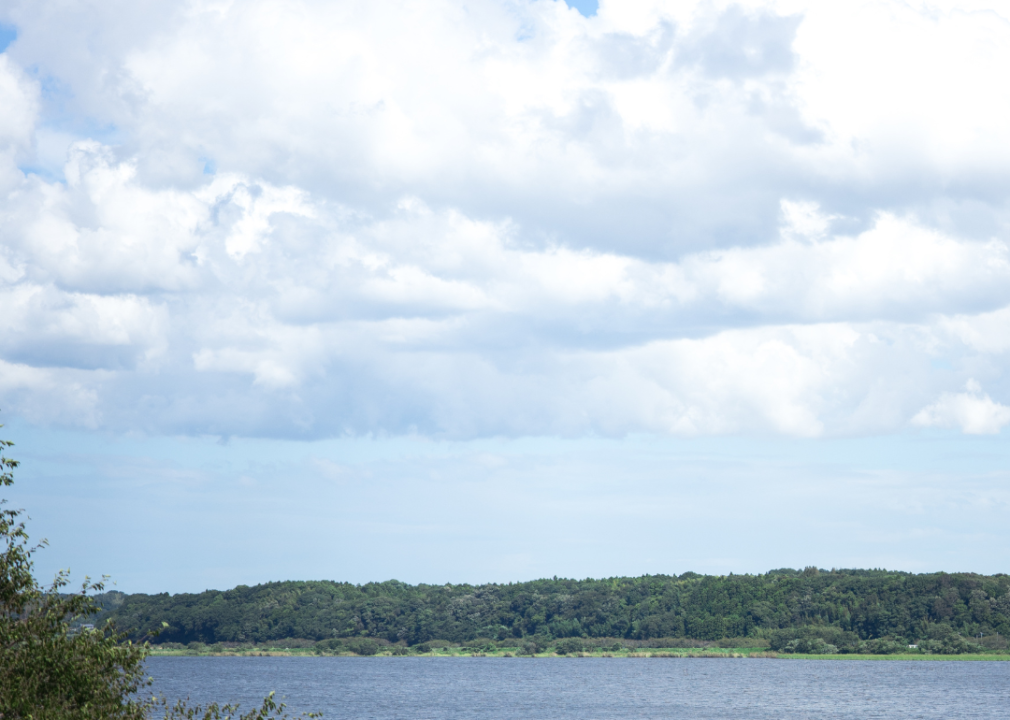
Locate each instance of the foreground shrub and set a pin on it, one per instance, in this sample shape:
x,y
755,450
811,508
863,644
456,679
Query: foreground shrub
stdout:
x,y
51,665
182,710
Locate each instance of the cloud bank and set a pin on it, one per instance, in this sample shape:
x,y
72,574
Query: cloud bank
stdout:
x,y
505,218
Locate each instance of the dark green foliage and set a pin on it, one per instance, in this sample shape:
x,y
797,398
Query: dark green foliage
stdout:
x,y
862,605
51,667
335,645
291,643
815,646
362,646
883,646
824,639
182,710
439,643
533,644
356,645
569,646
953,645
479,645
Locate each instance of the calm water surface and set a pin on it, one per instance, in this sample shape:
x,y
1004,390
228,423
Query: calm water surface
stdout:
x,y
601,688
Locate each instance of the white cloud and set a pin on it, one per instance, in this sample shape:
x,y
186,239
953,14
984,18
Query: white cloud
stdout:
x,y
19,100
641,130
458,327
987,333
507,219
972,411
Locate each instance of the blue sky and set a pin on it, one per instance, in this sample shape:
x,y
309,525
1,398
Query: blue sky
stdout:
x,y
504,289
586,7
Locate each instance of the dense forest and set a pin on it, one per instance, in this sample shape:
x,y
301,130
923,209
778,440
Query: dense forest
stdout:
x,y
842,610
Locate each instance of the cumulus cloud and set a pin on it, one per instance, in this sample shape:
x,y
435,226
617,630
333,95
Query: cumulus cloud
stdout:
x,y
19,99
507,219
972,411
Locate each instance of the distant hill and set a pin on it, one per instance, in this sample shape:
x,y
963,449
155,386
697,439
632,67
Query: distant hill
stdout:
x,y
841,606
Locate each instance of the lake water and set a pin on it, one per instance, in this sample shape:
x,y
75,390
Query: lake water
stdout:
x,y
602,688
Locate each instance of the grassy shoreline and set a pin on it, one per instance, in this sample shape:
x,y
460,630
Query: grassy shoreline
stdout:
x,y
713,653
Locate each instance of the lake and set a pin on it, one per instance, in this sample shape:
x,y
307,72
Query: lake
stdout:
x,y
586,688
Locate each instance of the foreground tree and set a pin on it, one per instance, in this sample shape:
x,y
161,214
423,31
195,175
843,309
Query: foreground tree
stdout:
x,y
47,668
52,665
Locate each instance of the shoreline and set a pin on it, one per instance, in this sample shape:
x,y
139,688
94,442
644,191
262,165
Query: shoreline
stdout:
x,y
658,653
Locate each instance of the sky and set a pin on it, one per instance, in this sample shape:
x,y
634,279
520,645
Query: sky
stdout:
x,y
490,290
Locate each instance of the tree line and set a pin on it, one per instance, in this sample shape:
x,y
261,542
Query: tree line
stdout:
x,y
844,609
